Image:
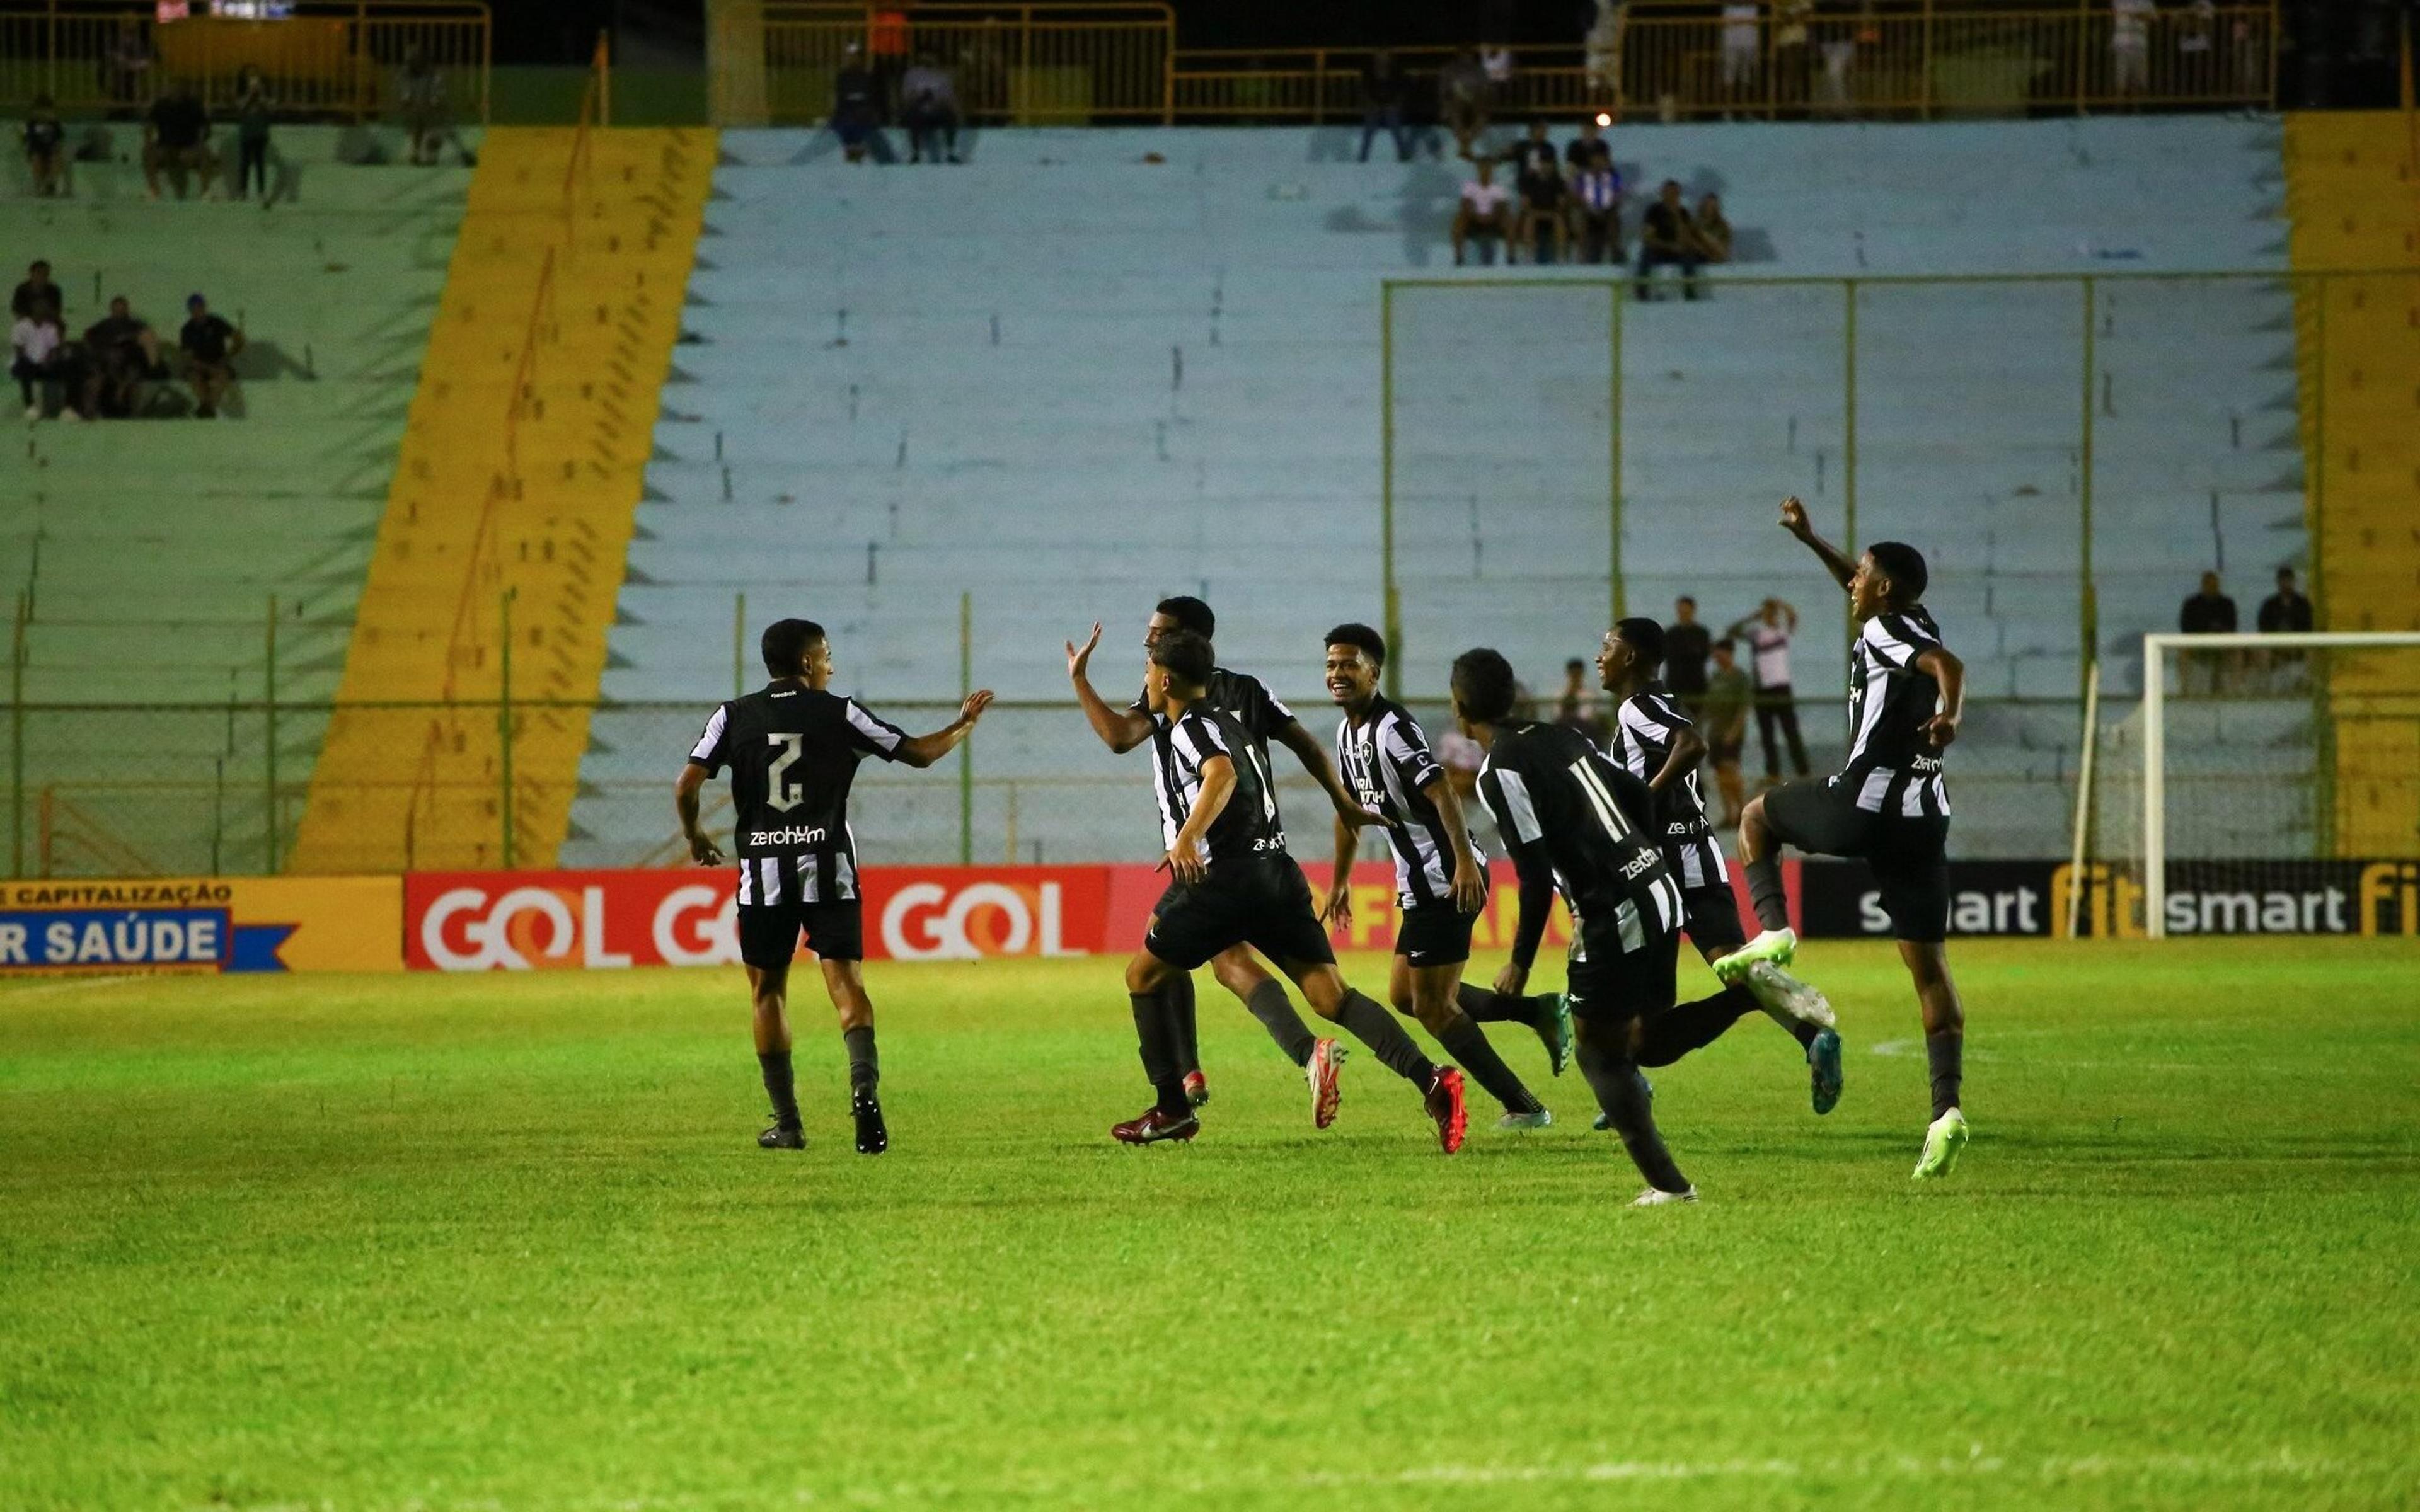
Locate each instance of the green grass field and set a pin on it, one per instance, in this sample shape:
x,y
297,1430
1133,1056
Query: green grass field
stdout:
x,y
506,1242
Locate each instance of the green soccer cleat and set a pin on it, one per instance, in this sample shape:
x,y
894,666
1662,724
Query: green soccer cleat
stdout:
x,y
1778,946
1557,1031
1824,1074
1787,1000
1515,1122
1942,1144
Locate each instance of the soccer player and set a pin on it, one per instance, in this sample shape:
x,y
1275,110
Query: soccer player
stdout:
x,y
1888,805
1263,718
1440,884
1233,883
1654,741
1575,822
793,746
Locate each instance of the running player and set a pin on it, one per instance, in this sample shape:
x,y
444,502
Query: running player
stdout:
x,y
1233,883
792,747
1887,805
1653,740
1440,882
1575,822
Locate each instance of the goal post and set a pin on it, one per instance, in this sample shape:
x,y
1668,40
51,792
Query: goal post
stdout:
x,y
2268,763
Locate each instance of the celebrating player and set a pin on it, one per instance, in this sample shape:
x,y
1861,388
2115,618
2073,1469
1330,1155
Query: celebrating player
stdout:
x,y
1887,805
1574,822
1654,741
1440,882
1233,883
792,749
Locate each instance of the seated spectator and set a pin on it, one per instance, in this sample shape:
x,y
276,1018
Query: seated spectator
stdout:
x,y
1536,154
1466,95
1666,236
177,140
1596,208
854,111
1545,202
1581,150
39,356
928,106
2284,611
1485,211
1383,87
46,156
121,351
210,345
35,291
253,108
1712,233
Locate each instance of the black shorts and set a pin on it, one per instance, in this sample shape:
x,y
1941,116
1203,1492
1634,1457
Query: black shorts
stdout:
x,y
769,932
1434,934
1264,903
1713,917
1908,856
1609,985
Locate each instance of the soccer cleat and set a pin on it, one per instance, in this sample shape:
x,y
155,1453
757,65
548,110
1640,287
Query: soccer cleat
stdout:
x,y
1657,1197
1516,1122
1327,1060
1824,1074
1196,1087
1556,1031
783,1136
1155,1127
1942,1143
873,1136
1444,1105
1778,946
1786,999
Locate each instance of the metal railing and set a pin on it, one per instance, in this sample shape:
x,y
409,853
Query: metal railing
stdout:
x,y
1026,65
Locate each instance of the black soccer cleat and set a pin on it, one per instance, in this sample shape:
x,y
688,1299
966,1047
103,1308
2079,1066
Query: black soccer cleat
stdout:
x,y
873,1136
783,1136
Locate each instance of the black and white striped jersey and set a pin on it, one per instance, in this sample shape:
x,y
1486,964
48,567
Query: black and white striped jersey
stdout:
x,y
1559,803
1644,728
1892,768
793,752
1246,698
1385,760
1247,826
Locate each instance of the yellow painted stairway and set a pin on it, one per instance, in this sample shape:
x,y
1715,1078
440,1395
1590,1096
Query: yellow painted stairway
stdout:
x,y
2354,192
512,504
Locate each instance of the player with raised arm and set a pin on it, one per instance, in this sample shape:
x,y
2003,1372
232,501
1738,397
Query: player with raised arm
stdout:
x,y
1440,882
1263,718
1577,824
1887,806
1233,883
1654,741
793,746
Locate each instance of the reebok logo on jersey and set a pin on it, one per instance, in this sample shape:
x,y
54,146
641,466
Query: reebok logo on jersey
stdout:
x,y
794,834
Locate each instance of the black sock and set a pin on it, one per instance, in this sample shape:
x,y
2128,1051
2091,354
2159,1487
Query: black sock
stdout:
x,y
1155,1040
1275,1009
776,1066
1485,1007
1803,1032
864,1065
1178,992
1376,1027
1466,1042
1946,1053
1676,1031
1765,891
1621,1091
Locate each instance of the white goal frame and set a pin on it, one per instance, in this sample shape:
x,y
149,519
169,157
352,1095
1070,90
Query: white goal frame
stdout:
x,y
2155,733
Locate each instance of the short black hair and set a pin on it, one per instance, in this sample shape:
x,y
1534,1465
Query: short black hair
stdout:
x,y
1189,613
40,264
1684,598
1645,636
785,642
1727,646
1905,566
1362,639
1484,685
2283,573
1187,655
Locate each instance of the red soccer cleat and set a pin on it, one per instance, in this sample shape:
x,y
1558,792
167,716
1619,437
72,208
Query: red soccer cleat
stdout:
x,y
1445,1106
1196,1087
1155,1127
1327,1060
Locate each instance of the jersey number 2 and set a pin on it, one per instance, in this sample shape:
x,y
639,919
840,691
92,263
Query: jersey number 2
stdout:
x,y
780,792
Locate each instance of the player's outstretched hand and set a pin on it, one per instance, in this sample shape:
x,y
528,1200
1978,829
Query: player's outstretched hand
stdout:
x,y
1357,817
1940,730
1186,863
703,850
1078,657
1512,980
1469,890
1794,515
1338,913
972,709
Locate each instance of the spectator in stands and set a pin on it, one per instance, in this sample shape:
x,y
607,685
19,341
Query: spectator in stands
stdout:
x,y
928,107
40,357
1722,719
1383,87
1536,154
1687,645
855,110
1791,19
1742,47
1581,150
2129,45
177,141
1596,207
419,94
1546,199
210,345
121,351
1577,707
35,291
2208,612
1465,94
2284,611
253,108
46,156
1768,632
1711,232
1485,211
1666,236
125,67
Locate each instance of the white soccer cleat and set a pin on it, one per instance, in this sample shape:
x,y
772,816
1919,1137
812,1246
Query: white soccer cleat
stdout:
x,y
1778,946
1657,1197
1786,999
1515,1122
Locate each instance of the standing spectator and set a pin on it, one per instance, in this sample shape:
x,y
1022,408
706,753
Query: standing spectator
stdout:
x,y
1575,707
2129,45
1723,716
1544,199
1767,632
35,291
1687,645
252,114
1382,104
120,352
1596,208
1465,94
856,108
126,68
46,155
2208,612
1665,237
210,345
2284,611
38,357
928,107
1742,47
1711,232
1791,19
176,139
420,92
1485,211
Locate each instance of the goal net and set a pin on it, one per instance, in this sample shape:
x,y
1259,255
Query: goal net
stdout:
x,y
2264,784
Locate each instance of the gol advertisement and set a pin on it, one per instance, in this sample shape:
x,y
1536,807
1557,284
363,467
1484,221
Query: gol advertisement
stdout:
x,y
205,924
